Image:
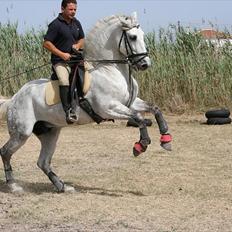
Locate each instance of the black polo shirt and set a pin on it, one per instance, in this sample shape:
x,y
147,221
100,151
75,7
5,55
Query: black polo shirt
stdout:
x,y
63,35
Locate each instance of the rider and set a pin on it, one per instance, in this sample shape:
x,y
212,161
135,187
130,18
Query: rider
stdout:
x,y
64,35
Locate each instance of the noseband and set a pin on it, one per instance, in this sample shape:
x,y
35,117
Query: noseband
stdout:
x,y
130,53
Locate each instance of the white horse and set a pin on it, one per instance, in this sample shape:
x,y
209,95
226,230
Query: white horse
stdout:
x,y
119,42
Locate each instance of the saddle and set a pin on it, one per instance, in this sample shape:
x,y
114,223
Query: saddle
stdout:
x,y
79,86
52,94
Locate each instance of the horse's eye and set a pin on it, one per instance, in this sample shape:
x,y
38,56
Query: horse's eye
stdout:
x,y
133,37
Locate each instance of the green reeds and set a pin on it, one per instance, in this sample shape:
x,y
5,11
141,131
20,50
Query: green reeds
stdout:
x,y
186,72
20,54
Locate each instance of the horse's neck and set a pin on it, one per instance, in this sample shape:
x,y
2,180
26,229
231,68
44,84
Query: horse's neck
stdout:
x,y
102,43
113,73
124,70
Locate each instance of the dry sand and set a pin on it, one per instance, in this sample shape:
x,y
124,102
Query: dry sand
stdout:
x,y
188,189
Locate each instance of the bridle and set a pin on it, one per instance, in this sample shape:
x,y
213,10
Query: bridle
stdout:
x,y
130,55
129,60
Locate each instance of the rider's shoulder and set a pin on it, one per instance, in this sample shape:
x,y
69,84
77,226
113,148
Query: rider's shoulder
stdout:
x,y
76,21
54,23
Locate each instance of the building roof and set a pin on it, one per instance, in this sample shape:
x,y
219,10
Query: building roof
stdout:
x,y
214,34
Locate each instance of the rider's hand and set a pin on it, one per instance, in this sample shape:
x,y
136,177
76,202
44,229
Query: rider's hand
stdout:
x,y
75,48
66,56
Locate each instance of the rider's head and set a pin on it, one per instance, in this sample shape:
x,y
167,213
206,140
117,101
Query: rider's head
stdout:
x,y
68,8
64,3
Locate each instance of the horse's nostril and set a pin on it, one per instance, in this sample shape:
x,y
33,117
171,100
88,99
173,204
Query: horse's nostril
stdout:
x,y
144,66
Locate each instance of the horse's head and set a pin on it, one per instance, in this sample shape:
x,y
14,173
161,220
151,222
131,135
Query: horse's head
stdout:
x,y
116,38
132,44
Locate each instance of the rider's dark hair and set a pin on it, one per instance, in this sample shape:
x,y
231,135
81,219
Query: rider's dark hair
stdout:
x,y
66,2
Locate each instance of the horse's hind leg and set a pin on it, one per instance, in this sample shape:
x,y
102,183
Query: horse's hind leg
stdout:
x,y
48,144
6,152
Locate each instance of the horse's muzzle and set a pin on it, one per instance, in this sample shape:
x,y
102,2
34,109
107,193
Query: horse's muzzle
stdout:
x,y
144,64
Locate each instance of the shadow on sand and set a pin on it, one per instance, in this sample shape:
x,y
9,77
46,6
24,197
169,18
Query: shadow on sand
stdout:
x,y
40,188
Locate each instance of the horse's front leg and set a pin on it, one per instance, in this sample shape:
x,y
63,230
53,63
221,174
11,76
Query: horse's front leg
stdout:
x,y
144,141
119,111
165,138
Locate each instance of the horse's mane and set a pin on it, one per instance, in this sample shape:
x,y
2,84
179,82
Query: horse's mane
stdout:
x,y
97,37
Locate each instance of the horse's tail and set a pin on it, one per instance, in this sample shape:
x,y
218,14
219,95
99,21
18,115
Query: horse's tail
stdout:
x,y
4,102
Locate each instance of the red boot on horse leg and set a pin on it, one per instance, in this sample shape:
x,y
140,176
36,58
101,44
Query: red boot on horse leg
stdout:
x,y
144,141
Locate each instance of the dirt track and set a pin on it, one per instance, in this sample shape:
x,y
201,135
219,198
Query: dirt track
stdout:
x,y
188,189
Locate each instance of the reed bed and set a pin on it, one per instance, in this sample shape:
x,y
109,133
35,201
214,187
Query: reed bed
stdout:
x,y
186,73
20,54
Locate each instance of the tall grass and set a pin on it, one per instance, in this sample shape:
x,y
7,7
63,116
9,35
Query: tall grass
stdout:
x,y
186,73
20,54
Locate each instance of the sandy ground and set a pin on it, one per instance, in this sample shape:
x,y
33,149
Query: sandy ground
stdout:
x,y
188,189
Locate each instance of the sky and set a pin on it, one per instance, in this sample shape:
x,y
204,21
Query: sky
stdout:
x,y
152,14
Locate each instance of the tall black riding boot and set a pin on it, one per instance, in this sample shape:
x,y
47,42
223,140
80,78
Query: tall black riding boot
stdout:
x,y
65,100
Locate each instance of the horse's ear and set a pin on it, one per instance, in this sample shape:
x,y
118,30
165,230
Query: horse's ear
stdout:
x,y
129,22
125,23
134,18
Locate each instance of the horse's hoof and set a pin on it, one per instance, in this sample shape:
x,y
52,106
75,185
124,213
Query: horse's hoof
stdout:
x,y
69,189
15,188
138,149
165,141
166,146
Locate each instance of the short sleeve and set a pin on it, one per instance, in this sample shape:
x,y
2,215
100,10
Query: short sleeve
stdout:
x,y
81,31
51,32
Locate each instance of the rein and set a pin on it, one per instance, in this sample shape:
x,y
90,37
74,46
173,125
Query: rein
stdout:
x,y
19,74
129,60
125,61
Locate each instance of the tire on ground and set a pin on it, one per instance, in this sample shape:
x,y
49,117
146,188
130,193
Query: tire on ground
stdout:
x,y
217,113
218,121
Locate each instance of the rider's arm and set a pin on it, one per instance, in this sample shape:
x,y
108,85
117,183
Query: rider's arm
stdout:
x,y
79,44
81,38
52,48
50,36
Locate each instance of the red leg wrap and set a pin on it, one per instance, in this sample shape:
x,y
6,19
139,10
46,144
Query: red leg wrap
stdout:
x,y
138,149
165,138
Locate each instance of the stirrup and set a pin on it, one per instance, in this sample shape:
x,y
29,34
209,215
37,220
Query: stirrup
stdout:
x,y
71,116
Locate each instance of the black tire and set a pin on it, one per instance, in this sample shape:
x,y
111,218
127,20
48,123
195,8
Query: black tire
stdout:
x,y
218,121
132,123
217,113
